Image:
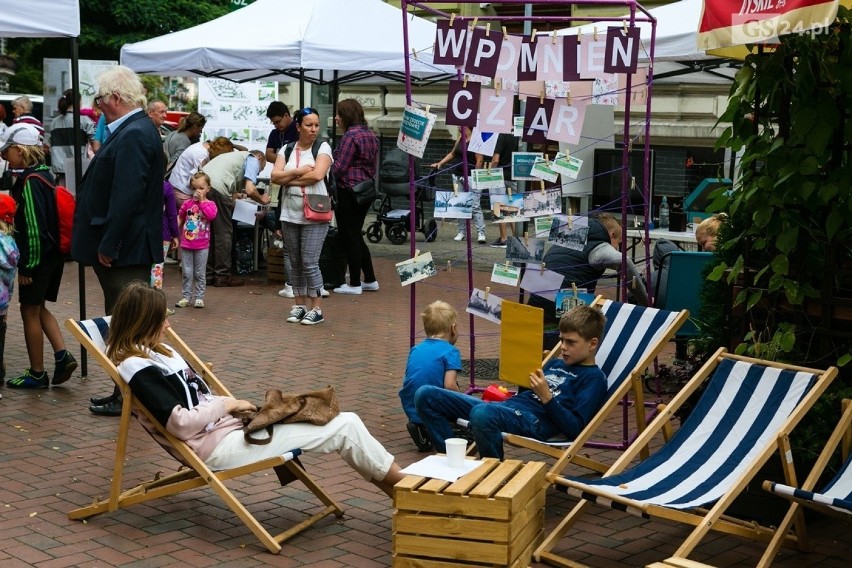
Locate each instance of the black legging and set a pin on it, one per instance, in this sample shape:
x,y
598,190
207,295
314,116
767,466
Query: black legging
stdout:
x,y
350,219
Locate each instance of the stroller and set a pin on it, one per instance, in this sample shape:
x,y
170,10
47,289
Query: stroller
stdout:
x,y
394,183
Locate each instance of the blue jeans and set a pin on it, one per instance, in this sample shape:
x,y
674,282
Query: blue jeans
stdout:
x,y
438,408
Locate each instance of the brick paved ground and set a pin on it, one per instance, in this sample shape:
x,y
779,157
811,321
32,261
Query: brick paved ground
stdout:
x,y
55,456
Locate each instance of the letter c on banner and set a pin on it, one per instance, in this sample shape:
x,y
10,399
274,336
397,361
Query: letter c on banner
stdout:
x,y
463,103
458,112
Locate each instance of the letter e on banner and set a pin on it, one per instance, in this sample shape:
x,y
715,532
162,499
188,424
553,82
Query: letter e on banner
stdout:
x,y
622,51
450,43
463,103
527,60
536,120
484,53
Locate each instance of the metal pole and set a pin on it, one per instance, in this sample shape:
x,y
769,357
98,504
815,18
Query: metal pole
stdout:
x,y
78,177
412,297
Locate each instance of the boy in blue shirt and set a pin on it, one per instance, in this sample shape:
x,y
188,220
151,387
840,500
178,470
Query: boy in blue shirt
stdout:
x,y
434,362
563,397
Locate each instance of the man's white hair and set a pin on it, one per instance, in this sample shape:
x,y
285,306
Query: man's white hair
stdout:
x,y
123,82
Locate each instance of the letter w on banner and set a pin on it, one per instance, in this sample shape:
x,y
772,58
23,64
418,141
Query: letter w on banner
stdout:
x,y
737,22
450,43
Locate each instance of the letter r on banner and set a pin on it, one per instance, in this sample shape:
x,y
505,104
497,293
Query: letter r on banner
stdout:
x,y
463,103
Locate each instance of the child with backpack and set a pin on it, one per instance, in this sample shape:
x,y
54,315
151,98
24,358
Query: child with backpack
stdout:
x,y
8,267
41,261
194,218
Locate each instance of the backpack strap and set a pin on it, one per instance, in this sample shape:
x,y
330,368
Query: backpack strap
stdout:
x,y
288,149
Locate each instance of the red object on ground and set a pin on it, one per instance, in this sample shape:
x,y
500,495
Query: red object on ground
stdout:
x,y
496,393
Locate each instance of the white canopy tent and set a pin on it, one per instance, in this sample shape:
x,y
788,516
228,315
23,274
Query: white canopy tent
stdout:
x,y
287,40
19,18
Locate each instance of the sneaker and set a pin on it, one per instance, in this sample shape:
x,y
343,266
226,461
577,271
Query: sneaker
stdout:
x,y
347,289
286,292
313,317
182,303
64,368
499,244
370,286
459,236
170,260
199,303
420,436
480,238
324,293
170,312
296,314
29,380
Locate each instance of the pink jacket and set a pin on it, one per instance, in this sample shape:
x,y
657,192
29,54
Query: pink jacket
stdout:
x,y
194,218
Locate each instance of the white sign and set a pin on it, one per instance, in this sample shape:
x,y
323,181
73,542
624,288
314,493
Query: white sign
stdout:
x,y
414,131
506,274
568,166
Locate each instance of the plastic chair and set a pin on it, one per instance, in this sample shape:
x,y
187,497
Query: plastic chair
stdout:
x,y
92,335
743,417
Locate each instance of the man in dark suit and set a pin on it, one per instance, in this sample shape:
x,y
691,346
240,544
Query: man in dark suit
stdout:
x,y
118,223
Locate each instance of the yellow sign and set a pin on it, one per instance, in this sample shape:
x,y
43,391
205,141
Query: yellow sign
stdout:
x,y
521,329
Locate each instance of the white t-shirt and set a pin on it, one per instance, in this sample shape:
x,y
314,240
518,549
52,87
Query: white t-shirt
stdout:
x,y
187,164
292,208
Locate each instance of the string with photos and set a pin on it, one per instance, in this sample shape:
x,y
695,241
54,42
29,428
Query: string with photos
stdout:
x,y
454,255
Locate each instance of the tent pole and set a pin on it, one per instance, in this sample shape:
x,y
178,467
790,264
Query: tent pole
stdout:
x,y
78,176
335,92
301,87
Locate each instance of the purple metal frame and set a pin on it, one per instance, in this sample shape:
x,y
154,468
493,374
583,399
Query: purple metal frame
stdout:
x,y
644,16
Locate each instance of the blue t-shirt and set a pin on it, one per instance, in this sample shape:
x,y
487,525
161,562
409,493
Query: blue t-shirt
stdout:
x,y
578,392
427,363
101,132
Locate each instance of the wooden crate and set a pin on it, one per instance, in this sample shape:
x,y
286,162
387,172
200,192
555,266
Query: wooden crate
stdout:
x,y
275,265
493,516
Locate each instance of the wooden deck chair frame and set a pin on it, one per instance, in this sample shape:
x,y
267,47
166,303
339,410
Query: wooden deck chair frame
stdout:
x,y
704,520
841,436
196,474
567,453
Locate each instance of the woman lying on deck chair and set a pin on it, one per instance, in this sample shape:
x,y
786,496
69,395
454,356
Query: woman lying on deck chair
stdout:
x,y
180,400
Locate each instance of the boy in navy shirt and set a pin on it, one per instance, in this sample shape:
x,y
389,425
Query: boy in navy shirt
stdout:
x,y
434,362
563,397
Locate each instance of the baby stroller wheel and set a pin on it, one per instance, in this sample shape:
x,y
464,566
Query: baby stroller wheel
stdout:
x,y
430,230
397,234
374,232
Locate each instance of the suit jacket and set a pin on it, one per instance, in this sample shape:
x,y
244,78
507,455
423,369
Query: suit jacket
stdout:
x,y
120,200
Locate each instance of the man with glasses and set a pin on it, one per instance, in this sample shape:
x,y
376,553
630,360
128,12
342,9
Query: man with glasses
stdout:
x,y
284,131
118,223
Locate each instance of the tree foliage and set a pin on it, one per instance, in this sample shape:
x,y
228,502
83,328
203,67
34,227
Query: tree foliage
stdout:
x,y
106,25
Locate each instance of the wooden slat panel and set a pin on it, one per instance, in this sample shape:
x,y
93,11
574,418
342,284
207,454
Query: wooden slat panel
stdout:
x,y
449,549
496,479
452,505
526,483
472,479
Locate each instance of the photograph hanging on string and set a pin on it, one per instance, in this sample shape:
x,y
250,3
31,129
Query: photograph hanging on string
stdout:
x,y
485,305
569,231
541,203
452,205
524,249
415,269
507,208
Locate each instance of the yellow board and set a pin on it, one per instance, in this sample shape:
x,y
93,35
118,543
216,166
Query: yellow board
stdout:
x,y
520,342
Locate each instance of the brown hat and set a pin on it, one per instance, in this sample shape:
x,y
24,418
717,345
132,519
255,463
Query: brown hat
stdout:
x,y
7,208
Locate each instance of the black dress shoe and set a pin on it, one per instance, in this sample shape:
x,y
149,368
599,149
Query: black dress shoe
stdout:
x,y
102,400
112,408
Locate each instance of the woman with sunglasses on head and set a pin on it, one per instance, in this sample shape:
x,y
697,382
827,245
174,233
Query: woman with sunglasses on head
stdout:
x,y
298,173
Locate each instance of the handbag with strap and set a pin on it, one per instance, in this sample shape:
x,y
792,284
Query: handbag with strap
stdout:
x,y
315,407
365,192
317,207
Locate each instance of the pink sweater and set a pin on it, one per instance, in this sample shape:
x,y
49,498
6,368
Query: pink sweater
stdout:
x,y
194,218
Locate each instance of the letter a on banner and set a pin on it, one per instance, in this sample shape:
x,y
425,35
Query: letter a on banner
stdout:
x,y
484,53
463,103
622,51
536,120
450,43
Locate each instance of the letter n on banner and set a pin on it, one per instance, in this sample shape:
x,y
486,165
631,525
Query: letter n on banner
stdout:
x,y
463,103
566,121
450,43
622,51
536,120
484,53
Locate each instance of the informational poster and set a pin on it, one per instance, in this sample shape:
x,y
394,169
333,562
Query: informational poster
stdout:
x,y
542,170
57,78
522,165
237,110
568,166
520,342
488,178
415,130
506,274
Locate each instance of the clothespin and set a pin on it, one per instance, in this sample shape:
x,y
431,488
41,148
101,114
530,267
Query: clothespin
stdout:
x,y
532,37
526,238
574,289
475,19
542,186
541,268
567,153
455,187
465,81
505,33
449,266
570,219
635,222
579,38
625,26
633,182
487,166
452,19
569,99
547,160
553,38
487,29
595,33
487,291
497,83
507,265
509,194
633,283
543,89
416,253
629,146
414,53
427,108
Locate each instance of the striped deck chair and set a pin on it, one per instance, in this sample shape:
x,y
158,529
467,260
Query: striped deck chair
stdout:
x,y
193,472
633,337
743,417
834,499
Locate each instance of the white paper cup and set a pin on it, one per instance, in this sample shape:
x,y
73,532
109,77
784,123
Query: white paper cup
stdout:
x,y
456,450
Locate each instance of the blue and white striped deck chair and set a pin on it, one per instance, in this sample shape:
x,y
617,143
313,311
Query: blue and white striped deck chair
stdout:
x,y
633,337
743,417
835,498
194,473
